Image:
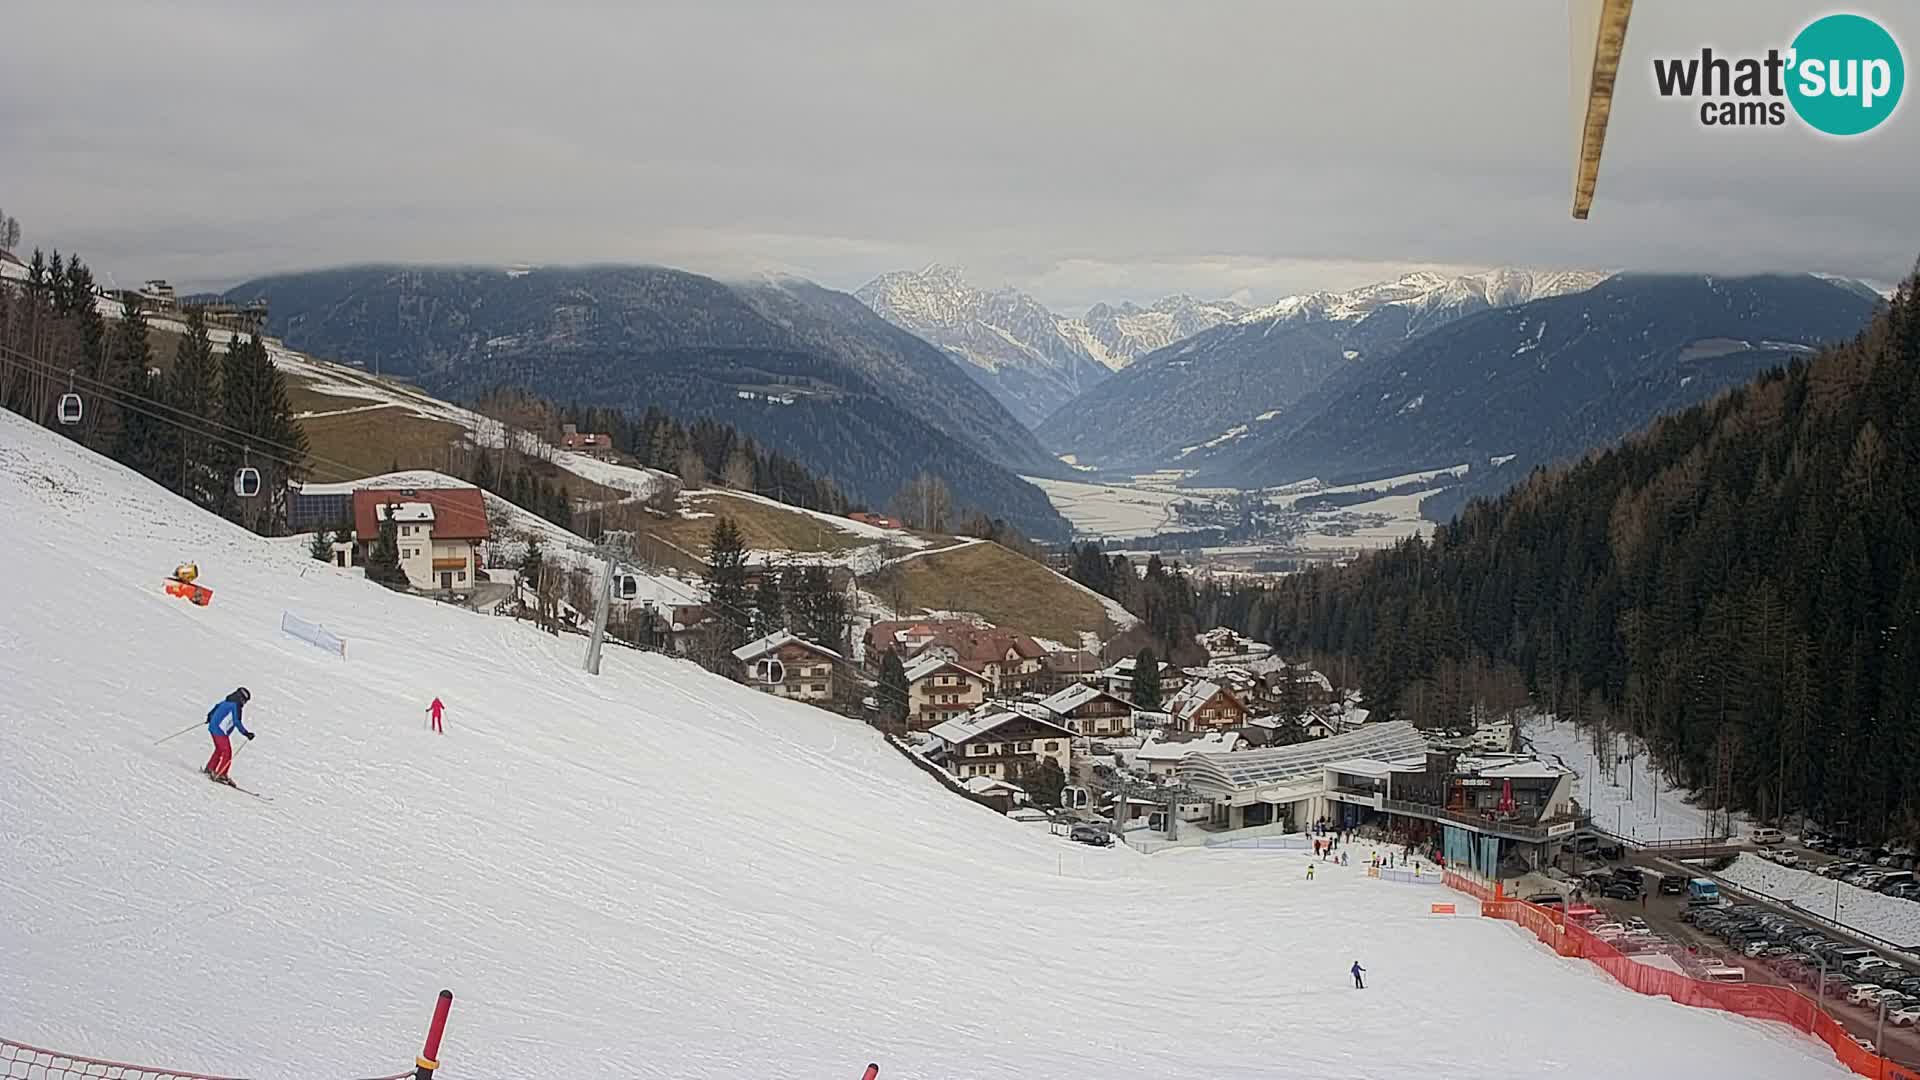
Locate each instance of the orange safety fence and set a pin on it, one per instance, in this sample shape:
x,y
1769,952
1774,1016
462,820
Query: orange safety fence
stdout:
x,y
1776,1003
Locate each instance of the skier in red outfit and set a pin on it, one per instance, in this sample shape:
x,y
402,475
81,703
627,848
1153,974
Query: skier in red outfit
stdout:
x,y
433,712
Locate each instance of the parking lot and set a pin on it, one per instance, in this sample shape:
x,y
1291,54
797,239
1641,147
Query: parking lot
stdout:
x,y
1796,943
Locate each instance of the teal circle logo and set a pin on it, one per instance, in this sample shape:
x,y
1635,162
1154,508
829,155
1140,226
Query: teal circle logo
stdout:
x,y
1847,74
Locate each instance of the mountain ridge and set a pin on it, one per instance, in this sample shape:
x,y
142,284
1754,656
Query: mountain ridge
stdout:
x,y
1269,360
1033,359
805,371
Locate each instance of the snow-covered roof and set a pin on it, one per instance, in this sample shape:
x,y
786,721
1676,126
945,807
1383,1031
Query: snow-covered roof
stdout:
x,y
927,665
1192,696
1220,742
406,511
961,728
776,640
1072,697
987,785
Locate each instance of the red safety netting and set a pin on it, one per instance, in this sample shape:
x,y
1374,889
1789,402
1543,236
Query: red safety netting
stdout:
x,y
1776,1003
18,1061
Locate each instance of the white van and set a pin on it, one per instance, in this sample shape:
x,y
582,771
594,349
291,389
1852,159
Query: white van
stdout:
x,y
1766,836
1725,974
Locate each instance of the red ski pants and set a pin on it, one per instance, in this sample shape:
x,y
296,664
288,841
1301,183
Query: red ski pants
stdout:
x,y
222,758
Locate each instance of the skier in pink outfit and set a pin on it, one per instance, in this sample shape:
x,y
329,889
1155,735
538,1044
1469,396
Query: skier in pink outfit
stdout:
x,y
433,713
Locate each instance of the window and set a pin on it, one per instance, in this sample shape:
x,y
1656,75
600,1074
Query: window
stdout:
x,y
1023,748
977,750
819,688
1052,746
460,575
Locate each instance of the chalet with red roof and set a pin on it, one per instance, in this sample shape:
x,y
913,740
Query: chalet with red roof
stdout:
x,y
439,531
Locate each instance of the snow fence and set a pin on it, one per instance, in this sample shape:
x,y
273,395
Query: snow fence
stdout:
x,y
313,634
18,1061
1776,1003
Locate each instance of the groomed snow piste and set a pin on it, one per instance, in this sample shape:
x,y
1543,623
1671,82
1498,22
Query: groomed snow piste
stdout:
x,y
652,873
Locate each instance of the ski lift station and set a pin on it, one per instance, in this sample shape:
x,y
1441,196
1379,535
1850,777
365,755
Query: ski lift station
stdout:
x,y
1483,809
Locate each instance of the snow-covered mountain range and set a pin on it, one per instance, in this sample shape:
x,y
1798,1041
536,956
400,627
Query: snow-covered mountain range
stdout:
x,y
1269,359
1032,359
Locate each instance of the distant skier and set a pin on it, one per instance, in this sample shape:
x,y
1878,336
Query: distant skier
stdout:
x,y
1358,984
1309,871
433,712
221,721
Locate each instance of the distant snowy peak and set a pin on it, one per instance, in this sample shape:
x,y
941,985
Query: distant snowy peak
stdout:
x,y
1030,358
1119,335
1428,294
940,298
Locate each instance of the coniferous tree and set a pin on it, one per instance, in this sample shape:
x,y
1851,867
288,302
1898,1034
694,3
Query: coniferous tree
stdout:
x,y
383,561
825,611
193,392
138,438
322,546
769,606
893,692
1043,782
1146,680
726,580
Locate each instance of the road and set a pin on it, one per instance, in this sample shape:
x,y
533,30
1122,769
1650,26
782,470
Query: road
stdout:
x,y
1663,915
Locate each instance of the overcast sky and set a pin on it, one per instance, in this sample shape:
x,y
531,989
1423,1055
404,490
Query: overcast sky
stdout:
x,y
1101,149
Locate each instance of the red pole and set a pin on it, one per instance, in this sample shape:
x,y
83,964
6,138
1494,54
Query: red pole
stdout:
x,y
429,1058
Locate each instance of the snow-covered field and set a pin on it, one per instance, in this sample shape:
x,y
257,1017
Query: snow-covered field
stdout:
x,y
1110,509
1625,799
651,873
1882,916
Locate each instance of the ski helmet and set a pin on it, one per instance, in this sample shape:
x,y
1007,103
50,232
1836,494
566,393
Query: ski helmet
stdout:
x,y
243,695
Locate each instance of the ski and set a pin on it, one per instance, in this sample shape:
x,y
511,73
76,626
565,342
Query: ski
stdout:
x,y
246,791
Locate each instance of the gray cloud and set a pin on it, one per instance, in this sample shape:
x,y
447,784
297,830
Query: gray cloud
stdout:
x,y
1087,150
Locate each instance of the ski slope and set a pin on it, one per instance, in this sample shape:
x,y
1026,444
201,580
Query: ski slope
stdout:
x,y
652,873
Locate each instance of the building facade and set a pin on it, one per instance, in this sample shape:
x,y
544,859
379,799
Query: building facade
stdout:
x,y
939,690
790,667
1002,745
1206,706
439,532
1089,711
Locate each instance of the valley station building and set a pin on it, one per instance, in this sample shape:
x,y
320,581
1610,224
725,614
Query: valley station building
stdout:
x,y
1479,810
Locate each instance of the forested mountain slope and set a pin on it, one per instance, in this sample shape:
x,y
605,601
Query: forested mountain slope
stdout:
x,y
1740,584
825,383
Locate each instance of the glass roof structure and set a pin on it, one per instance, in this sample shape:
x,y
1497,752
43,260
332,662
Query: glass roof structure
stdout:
x,y
1289,764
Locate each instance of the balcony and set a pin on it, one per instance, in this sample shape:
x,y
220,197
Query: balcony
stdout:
x,y
1511,829
440,565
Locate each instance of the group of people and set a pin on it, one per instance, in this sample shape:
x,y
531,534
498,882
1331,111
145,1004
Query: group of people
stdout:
x,y
225,720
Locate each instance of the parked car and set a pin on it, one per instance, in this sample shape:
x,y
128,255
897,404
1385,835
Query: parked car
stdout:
x,y
1590,846
1096,835
1766,836
1673,885
1864,1044
1905,1016
1858,993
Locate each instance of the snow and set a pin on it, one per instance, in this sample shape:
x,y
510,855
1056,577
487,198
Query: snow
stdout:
x,y
1109,509
1622,799
1401,519
649,873
1887,917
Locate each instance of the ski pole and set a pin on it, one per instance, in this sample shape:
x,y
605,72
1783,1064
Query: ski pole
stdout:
x,y
182,731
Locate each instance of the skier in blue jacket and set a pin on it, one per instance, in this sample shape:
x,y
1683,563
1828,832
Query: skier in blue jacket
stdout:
x,y
221,721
